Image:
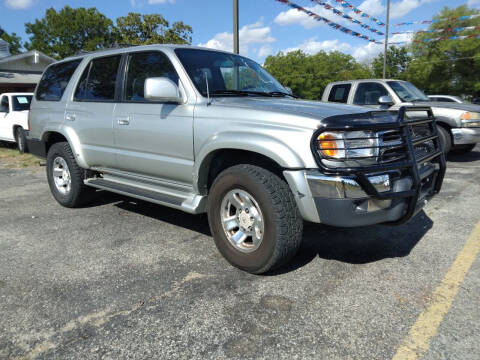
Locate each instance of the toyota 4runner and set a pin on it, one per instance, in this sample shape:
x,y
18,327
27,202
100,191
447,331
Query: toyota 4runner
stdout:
x,y
209,131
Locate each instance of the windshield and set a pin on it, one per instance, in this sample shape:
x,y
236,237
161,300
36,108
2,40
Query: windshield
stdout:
x,y
227,74
407,92
21,102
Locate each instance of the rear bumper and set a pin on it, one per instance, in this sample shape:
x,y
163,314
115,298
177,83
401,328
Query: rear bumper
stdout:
x,y
36,147
465,136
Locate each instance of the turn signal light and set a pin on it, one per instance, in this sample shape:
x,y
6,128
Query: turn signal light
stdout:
x,y
328,144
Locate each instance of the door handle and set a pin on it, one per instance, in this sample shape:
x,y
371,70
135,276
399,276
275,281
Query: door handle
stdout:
x,y
70,117
123,121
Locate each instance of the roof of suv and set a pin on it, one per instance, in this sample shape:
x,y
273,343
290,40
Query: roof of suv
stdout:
x,y
120,50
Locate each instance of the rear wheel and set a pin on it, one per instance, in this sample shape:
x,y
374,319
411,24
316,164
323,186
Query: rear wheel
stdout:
x,y
445,139
254,219
21,140
65,177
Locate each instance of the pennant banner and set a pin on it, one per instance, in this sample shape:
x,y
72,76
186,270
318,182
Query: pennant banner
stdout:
x,y
348,17
450,30
434,21
458,37
359,12
328,22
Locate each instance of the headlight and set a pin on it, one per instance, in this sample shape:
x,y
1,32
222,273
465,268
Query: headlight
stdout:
x,y
345,145
470,119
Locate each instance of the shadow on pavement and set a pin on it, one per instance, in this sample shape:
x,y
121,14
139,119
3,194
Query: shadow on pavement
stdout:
x,y
459,156
350,245
358,245
197,223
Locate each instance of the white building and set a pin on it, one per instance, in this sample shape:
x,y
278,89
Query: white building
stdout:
x,y
22,72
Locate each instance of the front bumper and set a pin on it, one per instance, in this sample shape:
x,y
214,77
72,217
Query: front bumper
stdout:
x,y
390,191
465,136
341,200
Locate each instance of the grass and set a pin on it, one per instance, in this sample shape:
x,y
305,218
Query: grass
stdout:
x,y
11,158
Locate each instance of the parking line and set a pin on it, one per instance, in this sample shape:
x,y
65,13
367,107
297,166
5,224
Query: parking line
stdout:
x,y
417,342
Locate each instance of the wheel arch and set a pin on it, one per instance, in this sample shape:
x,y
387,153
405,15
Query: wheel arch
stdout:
x,y
52,136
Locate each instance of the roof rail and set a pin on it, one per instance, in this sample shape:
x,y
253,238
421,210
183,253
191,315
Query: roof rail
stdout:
x,y
114,46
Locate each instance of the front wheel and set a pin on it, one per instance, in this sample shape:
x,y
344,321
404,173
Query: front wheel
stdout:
x,y
445,139
254,219
21,140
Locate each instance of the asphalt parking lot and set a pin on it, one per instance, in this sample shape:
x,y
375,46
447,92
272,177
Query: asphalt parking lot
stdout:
x,y
128,279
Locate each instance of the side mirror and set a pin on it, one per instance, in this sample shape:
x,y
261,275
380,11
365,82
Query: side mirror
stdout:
x,y
162,89
385,100
289,90
4,109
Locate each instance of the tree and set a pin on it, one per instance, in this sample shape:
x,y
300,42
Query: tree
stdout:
x,y
398,60
139,29
14,41
308,75
447,66
68,31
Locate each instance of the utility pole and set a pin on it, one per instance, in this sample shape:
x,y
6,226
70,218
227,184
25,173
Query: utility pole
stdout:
x,y
236,47
386,41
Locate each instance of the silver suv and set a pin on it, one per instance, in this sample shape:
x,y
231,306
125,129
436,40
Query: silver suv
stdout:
x,y
210,131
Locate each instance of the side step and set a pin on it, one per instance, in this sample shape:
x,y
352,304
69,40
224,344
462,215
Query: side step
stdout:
x,y
191,203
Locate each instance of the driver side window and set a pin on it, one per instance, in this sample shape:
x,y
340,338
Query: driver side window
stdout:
x,y
142,66
369,93
4,105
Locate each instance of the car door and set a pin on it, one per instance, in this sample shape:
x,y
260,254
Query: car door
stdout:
x,y
152,138
6,132
368,93
91,111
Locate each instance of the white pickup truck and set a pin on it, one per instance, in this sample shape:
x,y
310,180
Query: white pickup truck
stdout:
x,y
14,108
458,124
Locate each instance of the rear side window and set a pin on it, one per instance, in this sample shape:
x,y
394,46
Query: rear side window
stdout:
x,y
21,102
55,79
98,80
369,93
145,65
339,93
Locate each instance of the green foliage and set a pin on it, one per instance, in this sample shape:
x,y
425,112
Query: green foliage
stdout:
x,y
14,41
308,75
450,66
139,29
68,31
398,60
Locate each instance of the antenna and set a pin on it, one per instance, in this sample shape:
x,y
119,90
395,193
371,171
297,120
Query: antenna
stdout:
x,y
208,90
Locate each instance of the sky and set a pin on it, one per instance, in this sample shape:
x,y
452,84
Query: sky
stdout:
x,y
266,26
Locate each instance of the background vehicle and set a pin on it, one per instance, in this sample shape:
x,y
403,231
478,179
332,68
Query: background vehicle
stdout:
x,y
459,124
14,108
210,131
447,98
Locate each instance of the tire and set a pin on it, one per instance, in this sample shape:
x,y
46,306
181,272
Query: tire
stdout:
x,y
21,140
271,199
445,139
60,157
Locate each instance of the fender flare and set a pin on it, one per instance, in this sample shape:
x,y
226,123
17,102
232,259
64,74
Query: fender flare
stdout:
x,y
270,147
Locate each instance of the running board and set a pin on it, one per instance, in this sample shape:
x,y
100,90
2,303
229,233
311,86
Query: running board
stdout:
x,y
191,203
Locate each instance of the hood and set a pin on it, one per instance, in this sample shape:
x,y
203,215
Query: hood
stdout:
x,y
312,109
447,105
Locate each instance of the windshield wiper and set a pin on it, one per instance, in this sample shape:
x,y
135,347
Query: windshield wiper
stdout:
x,y
281,93
249,92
